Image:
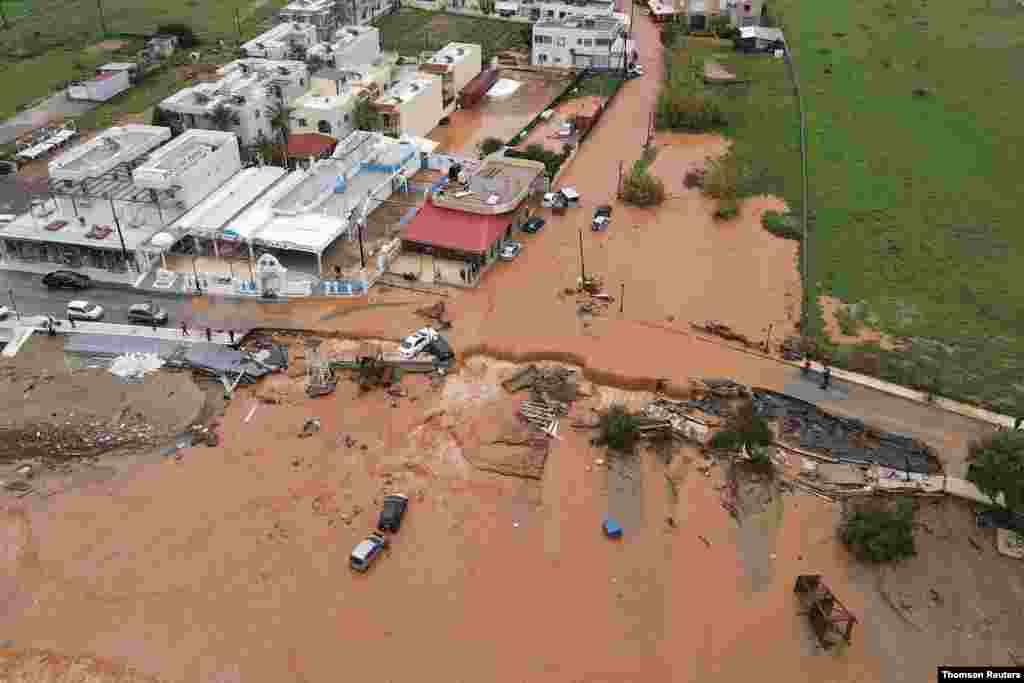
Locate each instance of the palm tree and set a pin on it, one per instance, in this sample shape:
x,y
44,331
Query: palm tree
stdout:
x,y
279,116
222,117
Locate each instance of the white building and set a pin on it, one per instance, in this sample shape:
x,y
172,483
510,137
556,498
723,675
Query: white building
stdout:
x,y
325,114
412,107
307,210
350,45
249,89
284,41
364,11
456,64
110,80
700,13
324,15
192,165
95,215
526,10
596,43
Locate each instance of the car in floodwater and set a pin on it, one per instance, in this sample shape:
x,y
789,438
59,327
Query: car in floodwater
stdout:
x,y
147,314
417,342
84,310
366,552
392,512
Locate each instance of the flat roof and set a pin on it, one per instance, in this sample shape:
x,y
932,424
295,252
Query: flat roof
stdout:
x,y
504,178
240,190
117,66
308,5
594,23
405,90
120,144
456,51
277,34
30,228
184,151
312,100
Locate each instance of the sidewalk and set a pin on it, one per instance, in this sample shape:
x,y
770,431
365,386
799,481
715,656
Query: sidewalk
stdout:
x,y
100,276
39,324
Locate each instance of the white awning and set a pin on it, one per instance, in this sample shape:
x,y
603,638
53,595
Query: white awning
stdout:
x,y
162,240
506,7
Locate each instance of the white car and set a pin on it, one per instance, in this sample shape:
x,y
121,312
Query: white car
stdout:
x,y
4,312
510,250
417,341
83,310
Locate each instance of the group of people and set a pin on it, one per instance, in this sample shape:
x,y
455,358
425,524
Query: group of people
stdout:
x,y
826,375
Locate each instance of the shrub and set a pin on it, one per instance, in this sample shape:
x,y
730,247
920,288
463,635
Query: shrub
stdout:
x,y
727,209
880,533
722,177
641,188
186,36
695,112
552,160
618,429
848,324
490,145
745,428
693,179
781,225
997,466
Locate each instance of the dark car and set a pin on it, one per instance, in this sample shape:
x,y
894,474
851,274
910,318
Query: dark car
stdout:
x,y
392,512
534,224
440,349
66,279
366,551
147,314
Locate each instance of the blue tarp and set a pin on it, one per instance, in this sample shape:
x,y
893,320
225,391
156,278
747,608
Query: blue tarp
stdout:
x,y
339,185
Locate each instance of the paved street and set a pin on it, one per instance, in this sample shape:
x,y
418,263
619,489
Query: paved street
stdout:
x,y
55,106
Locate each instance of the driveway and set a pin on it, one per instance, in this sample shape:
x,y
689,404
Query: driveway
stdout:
x,y
56,106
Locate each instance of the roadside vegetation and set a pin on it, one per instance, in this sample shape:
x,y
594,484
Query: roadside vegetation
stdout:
x,y
996,467
617,429
410,31
642,188
877,532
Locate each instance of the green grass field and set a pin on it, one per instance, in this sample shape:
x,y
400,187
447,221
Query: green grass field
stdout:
x,y
916,196
32,66
912,197
410,31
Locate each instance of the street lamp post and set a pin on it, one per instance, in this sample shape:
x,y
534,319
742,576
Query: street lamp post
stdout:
x,y
10,293
117,224
195,273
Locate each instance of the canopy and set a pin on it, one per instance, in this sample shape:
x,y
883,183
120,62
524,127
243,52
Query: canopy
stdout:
x,y
162,240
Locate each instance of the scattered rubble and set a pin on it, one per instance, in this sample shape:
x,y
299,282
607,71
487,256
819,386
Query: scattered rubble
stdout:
x,y
310,427
135,365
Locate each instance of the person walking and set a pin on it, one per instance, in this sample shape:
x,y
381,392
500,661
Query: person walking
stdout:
x,y
1017,423
806,369
184,329
826,377
209,334
231,337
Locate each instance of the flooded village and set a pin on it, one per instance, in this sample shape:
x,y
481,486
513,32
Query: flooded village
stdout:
x,y
413,412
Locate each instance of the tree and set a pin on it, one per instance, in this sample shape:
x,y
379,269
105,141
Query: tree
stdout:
x,y
641,188
365,117
280,118
996,466
618,429
880,533
490,145
186,36
222,117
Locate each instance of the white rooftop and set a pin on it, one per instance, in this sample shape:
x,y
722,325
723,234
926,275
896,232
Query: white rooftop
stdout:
x,y
120,144
346,34
308,6
325,102
117,66
182,153
138,223
277,35
452,53
216,211
405,90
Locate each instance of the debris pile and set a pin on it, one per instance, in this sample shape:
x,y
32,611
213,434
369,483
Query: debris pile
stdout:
x,y
555,385
51,442
722,331
237,367
541,415
678,418
843,439
134,366
438,312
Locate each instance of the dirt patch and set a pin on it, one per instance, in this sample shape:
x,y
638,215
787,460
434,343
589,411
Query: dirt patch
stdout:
x,y
200,72
546,132
716,73
51,413
108,46
43,666
831,308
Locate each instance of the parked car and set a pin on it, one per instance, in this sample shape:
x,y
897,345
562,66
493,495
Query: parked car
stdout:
x,y
83,310
366,551
634,71
440,349
534,224
147,314
417,342
4,312
510,250
602,218
392,512
66,279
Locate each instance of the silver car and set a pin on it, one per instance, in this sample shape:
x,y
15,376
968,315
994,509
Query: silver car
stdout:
x,y
366,551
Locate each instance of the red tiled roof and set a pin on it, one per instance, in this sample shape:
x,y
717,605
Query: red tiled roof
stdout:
x,y
452,229
306,145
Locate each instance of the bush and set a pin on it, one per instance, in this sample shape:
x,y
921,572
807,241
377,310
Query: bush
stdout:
x,y
618,429
691,112
880,533
693,179
727,209
186,36
722,177
848,324
490,145
997,466
781,225
641,188
746,428
536,152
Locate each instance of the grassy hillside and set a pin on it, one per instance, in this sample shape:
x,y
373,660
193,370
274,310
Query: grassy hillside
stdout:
x,y
411,31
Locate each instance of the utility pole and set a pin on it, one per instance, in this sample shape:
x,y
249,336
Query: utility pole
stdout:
x,y
117,224
583,268
622,297
362,255
618,186
103,21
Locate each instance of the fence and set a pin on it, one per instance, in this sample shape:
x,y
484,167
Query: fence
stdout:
x,y
808,301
